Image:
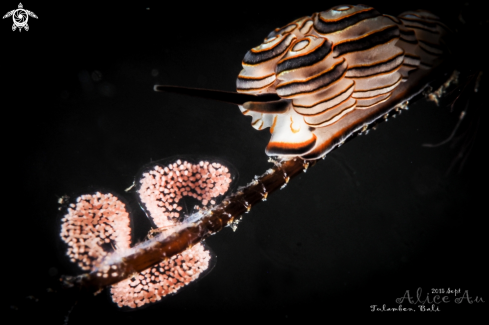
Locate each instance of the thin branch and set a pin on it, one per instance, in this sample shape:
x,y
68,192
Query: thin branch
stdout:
x,y
120,265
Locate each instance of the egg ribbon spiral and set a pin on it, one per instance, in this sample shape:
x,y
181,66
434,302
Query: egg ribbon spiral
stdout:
x,y
336,72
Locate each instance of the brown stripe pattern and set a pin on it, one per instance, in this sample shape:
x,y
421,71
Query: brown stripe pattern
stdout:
x,y
326,26
337,71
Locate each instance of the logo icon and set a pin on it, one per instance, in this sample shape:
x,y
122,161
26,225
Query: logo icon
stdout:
x,y
20,17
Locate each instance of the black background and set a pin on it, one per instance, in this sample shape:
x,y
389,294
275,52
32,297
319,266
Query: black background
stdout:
x,y
378,217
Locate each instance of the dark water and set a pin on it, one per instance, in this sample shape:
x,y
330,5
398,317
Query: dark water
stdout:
x,y
376,218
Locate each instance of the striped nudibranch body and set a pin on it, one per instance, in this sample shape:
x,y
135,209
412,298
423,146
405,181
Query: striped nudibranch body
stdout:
x,y
336,72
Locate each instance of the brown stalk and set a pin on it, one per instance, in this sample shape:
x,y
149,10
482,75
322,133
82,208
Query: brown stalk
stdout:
x,y
157,249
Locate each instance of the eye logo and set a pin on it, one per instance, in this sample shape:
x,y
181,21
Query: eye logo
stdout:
x,y
20,17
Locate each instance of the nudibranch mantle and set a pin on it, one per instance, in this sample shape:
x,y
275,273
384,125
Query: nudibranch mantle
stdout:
x,y
336,72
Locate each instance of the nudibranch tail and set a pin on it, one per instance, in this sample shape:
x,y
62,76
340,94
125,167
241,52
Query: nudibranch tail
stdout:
x,y
339,70
262,103
219,95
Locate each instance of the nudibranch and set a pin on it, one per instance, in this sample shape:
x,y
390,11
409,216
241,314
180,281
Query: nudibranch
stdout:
x,y
314,82
335,73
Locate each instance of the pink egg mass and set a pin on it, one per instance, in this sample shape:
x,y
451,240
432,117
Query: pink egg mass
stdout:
x,y
99,224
